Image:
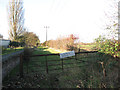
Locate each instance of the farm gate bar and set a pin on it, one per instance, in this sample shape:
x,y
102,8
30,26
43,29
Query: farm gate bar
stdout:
x,y
22,56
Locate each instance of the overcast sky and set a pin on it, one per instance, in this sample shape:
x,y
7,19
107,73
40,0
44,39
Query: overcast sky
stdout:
x,y
84,18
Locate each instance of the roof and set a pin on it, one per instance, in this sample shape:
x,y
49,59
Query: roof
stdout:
x,y
4,39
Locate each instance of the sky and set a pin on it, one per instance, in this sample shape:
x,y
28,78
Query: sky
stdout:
x,y
83,18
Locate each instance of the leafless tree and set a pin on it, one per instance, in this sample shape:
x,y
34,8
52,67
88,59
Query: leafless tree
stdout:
x,y
111,14
15,19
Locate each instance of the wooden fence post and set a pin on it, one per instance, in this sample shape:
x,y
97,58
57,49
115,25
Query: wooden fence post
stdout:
x,y
21,65
79,50
46,64
104,73
76,56
62,64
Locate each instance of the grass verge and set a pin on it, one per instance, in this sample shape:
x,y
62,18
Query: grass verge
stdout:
x,y
11,50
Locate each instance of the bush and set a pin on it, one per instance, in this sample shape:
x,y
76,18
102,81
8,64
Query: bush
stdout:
x,y
14,44
72,47
63,43
108,46
22,44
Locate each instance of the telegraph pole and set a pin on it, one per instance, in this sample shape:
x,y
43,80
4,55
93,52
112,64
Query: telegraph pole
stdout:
x,y
46,33
46,46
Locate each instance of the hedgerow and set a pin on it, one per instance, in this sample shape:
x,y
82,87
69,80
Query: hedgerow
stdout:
x,y
108,46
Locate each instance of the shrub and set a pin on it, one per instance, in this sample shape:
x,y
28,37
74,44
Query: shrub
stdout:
x,y
63,43
108,46
14,44
22,44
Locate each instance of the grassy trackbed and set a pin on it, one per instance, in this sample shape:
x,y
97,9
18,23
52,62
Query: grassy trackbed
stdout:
x,y
86,72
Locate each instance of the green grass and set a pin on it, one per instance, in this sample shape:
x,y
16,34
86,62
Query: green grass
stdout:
x,y
11,50
80,75
52,74
88,47
42,60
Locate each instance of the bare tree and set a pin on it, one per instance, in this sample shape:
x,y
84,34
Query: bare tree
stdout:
x,y
111,14
15,19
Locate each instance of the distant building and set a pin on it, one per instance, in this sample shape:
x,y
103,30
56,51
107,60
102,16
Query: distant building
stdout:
x,y
1,36
4,42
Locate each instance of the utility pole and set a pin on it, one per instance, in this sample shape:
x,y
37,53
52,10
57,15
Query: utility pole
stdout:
x,y
46,33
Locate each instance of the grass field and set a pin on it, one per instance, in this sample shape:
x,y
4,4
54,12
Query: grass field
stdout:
x,y
11,50
88,47
81,74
